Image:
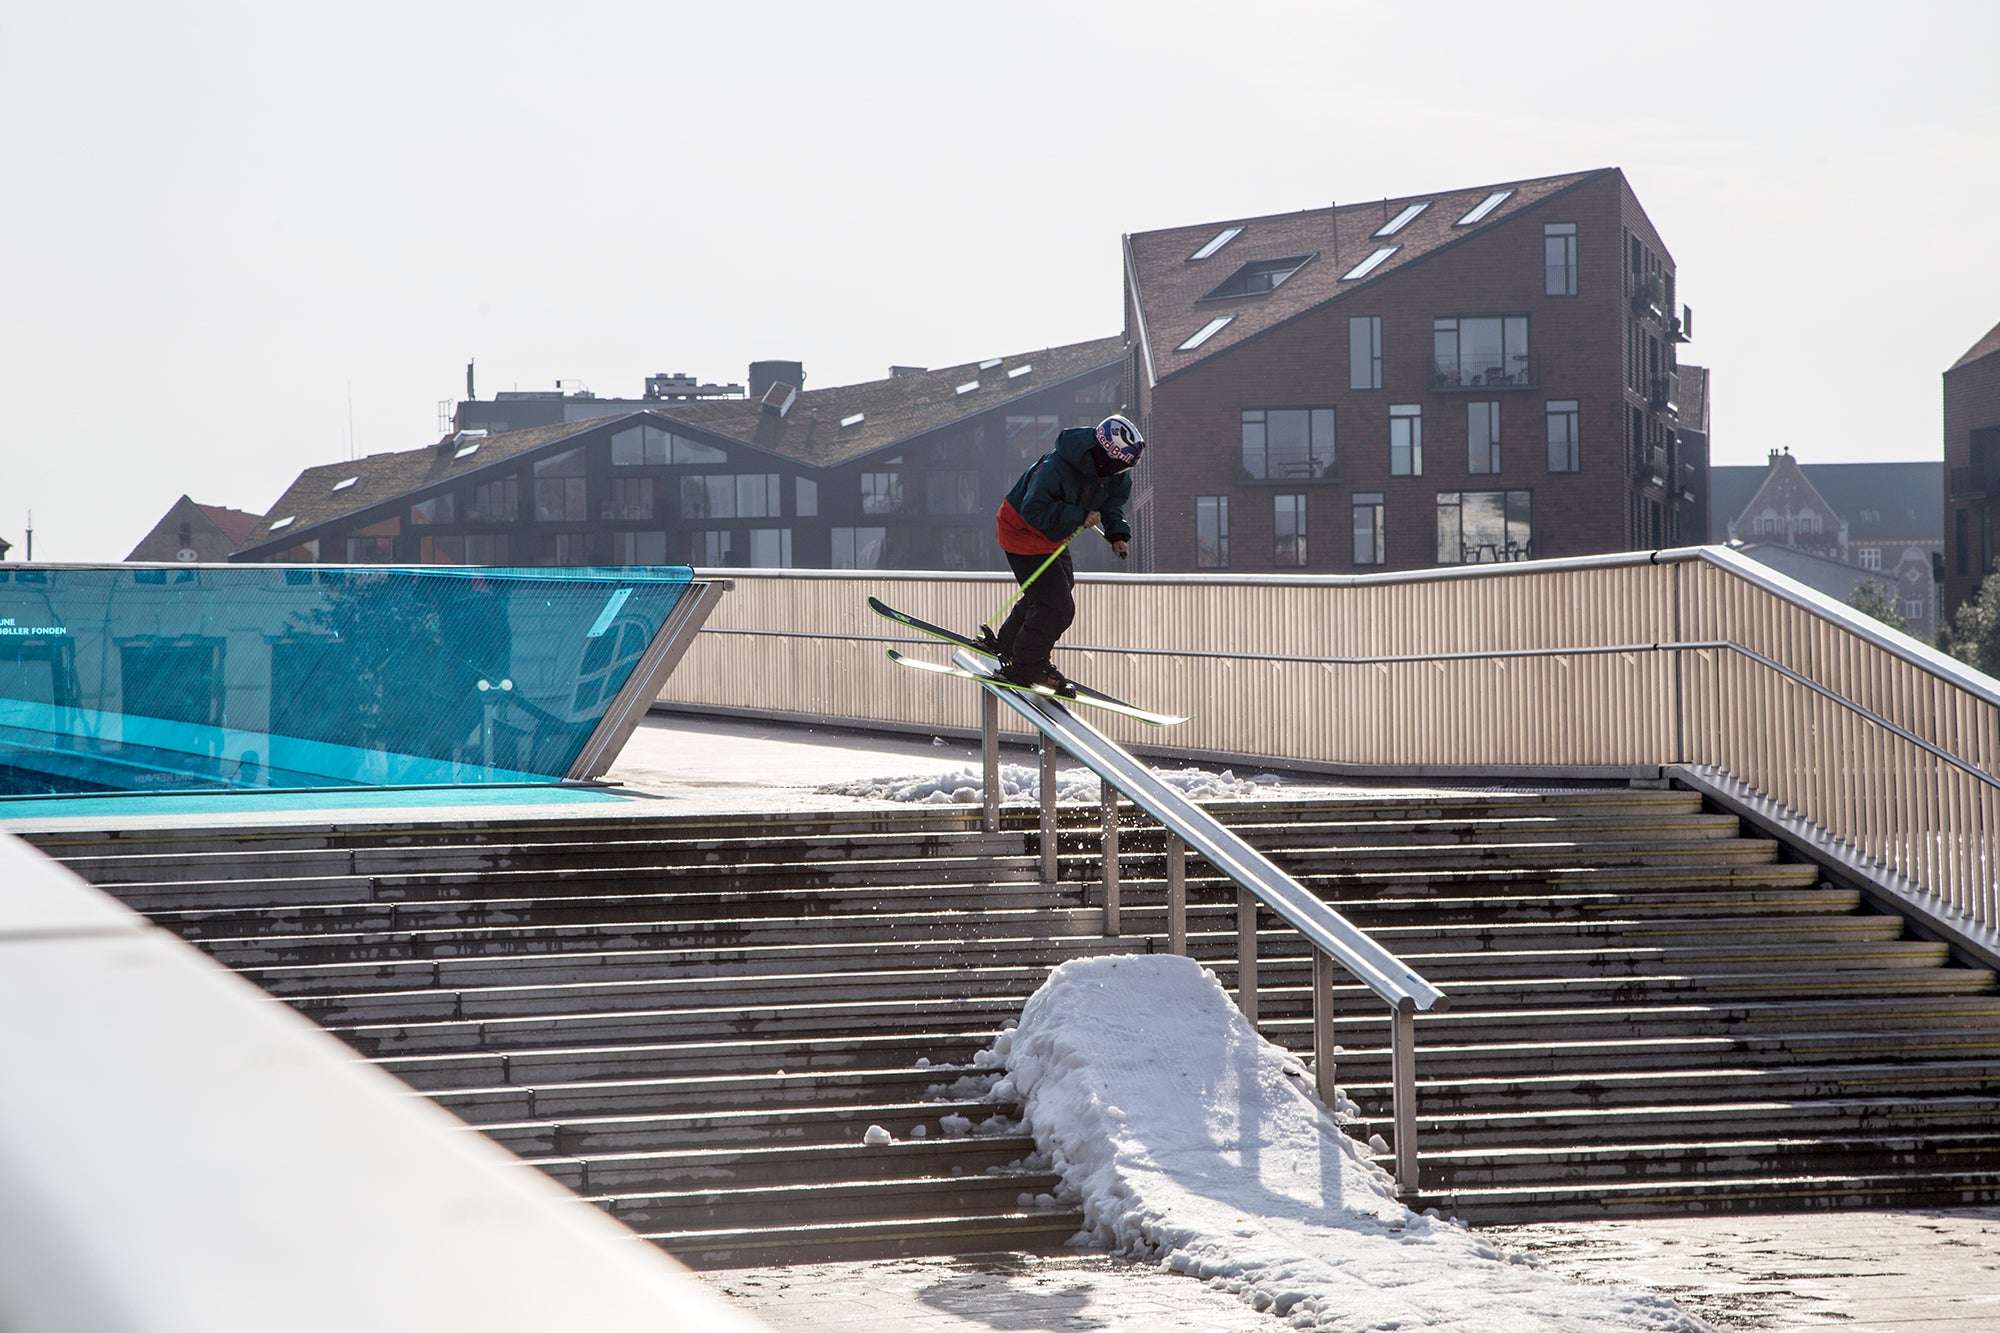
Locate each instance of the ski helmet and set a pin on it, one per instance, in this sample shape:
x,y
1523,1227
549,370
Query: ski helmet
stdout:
x,y
1120,440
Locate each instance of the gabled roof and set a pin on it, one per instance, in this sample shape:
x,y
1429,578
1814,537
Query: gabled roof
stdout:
x,y
1905,499
312,499
896,409
892,411
233,524
1171,284
1985,347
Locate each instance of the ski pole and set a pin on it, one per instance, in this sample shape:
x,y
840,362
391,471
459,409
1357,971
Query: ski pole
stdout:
x,y
1001,610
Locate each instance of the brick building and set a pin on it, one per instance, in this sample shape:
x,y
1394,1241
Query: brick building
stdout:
x,y
1972,468
899,473
1462,377
190,531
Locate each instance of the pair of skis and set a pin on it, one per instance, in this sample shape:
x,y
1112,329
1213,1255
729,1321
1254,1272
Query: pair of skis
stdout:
x,y
1084,694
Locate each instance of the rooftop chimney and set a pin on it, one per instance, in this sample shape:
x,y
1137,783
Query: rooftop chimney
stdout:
x,y
763,374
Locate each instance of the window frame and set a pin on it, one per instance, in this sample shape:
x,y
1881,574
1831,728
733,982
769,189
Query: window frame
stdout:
x,y
1296,502
1411,417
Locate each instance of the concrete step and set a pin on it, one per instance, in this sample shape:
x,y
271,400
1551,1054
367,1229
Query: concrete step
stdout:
x,y
674,1170
1039,1232
1872,1110
849,1201
756,1127
1584,1166
504,1103
1949,1187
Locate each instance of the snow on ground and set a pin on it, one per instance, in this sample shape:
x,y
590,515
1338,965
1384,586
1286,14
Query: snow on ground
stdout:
x,y
1194,1143
1021,782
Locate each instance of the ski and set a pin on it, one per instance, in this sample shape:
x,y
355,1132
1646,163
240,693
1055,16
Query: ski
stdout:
x,y
1090,698
1084,694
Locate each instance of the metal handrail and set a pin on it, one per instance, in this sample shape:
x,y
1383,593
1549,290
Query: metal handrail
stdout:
x,y
1331,935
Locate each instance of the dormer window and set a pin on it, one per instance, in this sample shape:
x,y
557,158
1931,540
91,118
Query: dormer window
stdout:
x,y
1258,276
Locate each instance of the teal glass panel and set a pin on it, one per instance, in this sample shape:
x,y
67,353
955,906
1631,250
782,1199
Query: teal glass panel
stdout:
x,y
130,678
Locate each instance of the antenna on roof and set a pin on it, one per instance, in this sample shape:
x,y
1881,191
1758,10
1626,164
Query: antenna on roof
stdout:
x,y
1334,217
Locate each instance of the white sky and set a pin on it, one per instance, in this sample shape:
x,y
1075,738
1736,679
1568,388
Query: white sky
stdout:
x,y
224,222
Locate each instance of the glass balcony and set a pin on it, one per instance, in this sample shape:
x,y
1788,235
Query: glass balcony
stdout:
x,y
130,678
1520,371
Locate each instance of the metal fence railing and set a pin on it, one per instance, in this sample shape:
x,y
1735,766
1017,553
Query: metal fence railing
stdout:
x,y
1605,664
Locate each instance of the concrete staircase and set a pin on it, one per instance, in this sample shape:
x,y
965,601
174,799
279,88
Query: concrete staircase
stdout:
x,y
692,1023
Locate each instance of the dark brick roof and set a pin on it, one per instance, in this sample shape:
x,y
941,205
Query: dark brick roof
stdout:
x,y
234,524
894,410
1170,286
1985,347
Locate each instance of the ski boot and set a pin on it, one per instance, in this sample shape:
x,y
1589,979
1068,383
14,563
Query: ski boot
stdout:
x,y
1044,679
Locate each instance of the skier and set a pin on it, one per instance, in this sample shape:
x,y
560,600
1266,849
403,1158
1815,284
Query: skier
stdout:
x,y
1084,482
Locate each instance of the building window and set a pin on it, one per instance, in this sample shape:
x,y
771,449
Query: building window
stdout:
x,y
1565,455
494,502
1485,350
858,548
639,548
1913,611
1482,438
370,550
710,549
1370,542
488,548
437,509
1484,527
631,498
1287,443
1871,557
951,492
1258,276
649,446
770,548
805,497
561,489
881,492
1961,542
1288,514
1211,531
759,495
1559,259
1406,440
1031,437
1364,352
961,548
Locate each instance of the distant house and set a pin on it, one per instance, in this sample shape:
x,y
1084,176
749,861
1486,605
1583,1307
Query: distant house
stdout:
x,y
195,532
899,473
1479,374
1879,521
1972,464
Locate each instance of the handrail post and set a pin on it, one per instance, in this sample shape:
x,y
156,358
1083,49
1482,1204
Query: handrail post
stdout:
x,y
989,757
1109,797
1246,953
1403,1074
1322,1015
1051,867
1177,940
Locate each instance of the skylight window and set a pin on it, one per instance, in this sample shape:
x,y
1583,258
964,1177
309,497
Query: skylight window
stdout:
x,y
1019,371
1486,205
968,387
1370,264
1402,219
1258,276
467,450
343,485
988,365
284,522
854,420
1207,331
1216,242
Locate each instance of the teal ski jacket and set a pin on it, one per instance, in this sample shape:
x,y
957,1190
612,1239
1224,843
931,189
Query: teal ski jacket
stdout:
x,y
1059,491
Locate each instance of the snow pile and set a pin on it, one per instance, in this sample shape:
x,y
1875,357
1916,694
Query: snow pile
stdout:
x,y
1191,1141
1020,782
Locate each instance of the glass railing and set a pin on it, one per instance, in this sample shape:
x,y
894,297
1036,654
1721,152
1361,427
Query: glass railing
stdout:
x,y
138,678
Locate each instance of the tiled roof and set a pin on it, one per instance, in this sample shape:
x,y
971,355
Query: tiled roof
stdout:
x,y
1171,284
312,498
892,410
895,409
233,524
1985,347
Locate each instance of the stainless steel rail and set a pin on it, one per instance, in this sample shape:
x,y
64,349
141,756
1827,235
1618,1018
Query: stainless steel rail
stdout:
x,y
1333,938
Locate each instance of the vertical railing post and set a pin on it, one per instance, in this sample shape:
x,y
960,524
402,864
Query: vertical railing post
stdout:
x,y
1177,941
1046,785
989,757
1110,800
1680,698
1322,1015
1403,1075
1246,954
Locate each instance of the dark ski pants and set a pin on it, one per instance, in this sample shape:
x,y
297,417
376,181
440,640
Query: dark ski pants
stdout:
x,y
1044,611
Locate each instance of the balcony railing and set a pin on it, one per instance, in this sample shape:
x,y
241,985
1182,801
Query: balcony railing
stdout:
x,y
1521,371
1973,483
